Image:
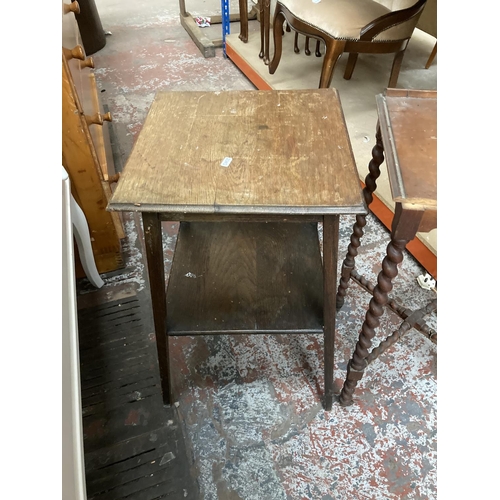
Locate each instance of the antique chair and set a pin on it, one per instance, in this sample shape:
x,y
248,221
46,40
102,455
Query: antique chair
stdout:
x,y
353,26
264,8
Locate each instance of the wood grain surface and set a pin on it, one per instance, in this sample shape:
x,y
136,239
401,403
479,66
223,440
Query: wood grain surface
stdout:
x,y
80,160
250,277
289,153
408,121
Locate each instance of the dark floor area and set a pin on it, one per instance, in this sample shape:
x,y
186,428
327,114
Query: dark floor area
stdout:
x,y
134,447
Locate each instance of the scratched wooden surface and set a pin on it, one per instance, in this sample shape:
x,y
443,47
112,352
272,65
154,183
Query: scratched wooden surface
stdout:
x,y
289,151
411,118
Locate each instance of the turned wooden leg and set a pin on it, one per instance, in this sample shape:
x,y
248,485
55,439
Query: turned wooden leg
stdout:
x,y
357,229
156,273
279,19
267,26
404,228
243,36
334,49
261,22
296,43
351,63
318,45
306,49
330,256
358,362
396,67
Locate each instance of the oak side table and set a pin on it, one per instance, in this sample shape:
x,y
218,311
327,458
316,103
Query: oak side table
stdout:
x,y
407,134
249,174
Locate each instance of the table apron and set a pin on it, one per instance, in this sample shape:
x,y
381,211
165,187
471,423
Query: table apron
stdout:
x,y
239,217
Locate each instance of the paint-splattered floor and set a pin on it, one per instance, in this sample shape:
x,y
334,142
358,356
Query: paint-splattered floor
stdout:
x,y
249,406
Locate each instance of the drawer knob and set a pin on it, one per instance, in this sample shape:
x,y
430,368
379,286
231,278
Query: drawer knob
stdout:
x,y
113,178
72,7
74,53
87,63
98,119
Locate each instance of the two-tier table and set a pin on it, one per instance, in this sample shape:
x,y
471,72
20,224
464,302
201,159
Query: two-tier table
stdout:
x,y
249,175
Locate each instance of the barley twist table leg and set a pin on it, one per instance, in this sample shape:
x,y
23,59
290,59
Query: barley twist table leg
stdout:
x,y
357,232
358,363
405,225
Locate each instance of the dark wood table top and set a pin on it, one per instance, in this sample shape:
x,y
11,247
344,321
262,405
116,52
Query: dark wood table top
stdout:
x,y
408,124
245,152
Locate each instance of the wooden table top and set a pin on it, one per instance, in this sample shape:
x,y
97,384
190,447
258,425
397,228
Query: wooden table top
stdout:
x,y
408,124
248,152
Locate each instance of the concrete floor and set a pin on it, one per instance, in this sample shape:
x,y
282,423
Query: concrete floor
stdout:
x,y
250,405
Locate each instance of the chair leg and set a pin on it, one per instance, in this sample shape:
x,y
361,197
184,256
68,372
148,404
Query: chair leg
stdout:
x,y
351,63
296,43
307,50
318,45
279,19
396,67
243,21
267,26
261,22
334,49
432,56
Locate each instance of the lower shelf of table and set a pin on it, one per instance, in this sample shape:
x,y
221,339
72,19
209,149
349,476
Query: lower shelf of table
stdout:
x,y
250,277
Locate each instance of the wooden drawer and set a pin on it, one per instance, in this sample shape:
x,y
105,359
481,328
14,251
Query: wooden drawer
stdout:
x,y
86,149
